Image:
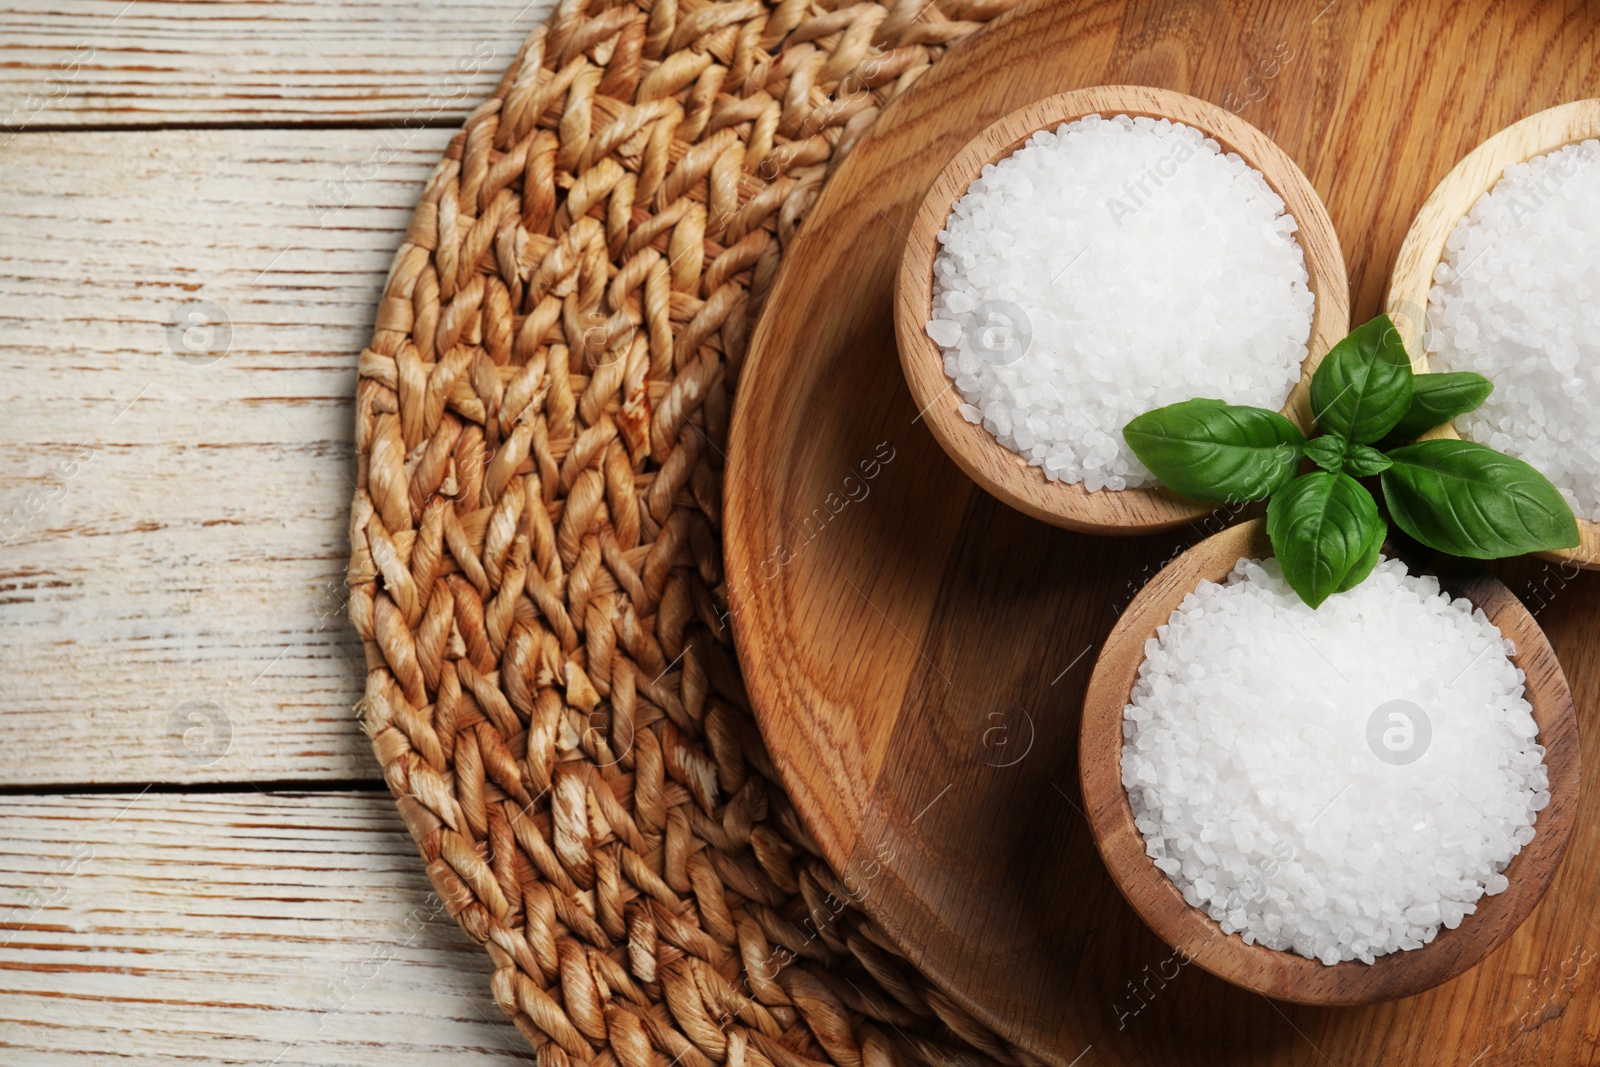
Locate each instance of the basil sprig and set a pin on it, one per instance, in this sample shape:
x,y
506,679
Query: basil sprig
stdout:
x,y
1325,526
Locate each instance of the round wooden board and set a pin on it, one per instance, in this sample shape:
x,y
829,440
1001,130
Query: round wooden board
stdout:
x,y
917,652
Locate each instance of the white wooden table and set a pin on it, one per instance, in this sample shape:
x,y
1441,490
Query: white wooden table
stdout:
x,y
198,860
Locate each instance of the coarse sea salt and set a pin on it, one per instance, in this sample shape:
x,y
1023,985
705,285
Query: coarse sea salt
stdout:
x,y
1340,782
1515,299
1110,267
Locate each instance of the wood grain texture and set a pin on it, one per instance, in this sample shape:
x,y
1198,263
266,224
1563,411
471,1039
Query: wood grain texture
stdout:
x,y
917,652
167,928
1285,975
257,62
174,528
974,449
1451,199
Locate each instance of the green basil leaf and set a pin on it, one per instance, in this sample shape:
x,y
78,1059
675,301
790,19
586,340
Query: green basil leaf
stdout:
x,y
1322,528
1438,398
1363,385
1326,452
1210,450
1368,558
1469,500
1361,461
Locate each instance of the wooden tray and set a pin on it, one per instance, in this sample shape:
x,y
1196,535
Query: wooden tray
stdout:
x,y
917,652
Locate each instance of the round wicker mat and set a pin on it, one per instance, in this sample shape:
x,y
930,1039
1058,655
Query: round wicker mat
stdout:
x,y
536,566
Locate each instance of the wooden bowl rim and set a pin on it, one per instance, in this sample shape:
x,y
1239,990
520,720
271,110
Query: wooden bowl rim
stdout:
x,y
1283,974
996,468
1424,245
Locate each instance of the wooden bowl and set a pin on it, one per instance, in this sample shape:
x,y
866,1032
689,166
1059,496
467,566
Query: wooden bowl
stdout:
x,y
1280,974
1451,199
1002,471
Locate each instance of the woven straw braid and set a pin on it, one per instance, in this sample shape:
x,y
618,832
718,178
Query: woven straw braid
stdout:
x,y
536,568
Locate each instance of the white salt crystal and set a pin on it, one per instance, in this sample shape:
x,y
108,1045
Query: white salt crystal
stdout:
x,y
1515,301
1110,267
945,332
1264,791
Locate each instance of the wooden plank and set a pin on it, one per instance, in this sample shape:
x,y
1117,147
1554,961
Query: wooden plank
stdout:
x,y
257,62
173,529
295,929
